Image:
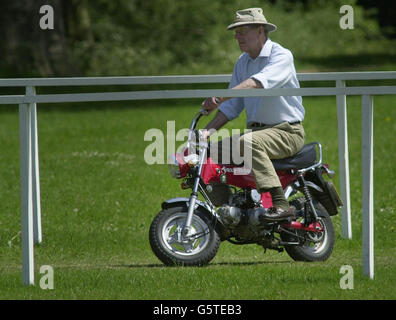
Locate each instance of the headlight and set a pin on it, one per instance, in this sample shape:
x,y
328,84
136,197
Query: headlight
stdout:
x,y
191,159
173,166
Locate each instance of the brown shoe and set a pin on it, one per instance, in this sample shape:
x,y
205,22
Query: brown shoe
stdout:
x,y
275,214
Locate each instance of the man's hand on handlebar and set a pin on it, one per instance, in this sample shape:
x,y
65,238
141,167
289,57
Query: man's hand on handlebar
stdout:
x,y
211,104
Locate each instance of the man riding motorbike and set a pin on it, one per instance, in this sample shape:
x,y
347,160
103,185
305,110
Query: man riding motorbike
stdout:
x,y
275,122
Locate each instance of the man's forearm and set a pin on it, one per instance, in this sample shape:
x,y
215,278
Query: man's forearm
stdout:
x,y
249,83
217,122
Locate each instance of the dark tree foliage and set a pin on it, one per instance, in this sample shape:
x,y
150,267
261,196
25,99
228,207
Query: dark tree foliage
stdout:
x,y
121,37
385,12
26,49
102,30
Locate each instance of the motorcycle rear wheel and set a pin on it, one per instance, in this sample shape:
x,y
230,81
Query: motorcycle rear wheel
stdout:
x,y
318,245
173,248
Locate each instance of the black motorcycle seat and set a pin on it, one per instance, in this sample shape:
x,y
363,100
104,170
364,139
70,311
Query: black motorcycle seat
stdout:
x,y
306,157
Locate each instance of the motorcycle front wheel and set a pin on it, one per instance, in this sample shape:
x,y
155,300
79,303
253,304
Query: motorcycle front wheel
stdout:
x,y
173,247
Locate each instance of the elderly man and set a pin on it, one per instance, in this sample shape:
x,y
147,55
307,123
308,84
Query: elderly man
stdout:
x,y
276,122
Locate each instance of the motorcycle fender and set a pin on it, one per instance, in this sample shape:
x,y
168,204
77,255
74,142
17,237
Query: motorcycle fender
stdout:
x,y
175,202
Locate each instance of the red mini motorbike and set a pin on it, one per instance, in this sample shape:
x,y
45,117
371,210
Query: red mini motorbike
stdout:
x,y
188,231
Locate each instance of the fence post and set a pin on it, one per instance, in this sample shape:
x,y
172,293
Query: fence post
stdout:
x,y
343,159
31,91
26,194
367,186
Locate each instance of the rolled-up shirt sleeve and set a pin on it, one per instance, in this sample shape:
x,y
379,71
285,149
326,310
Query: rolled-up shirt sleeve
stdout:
x,y
277,72
232,108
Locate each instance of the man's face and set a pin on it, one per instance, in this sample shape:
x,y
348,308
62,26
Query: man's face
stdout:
x,y
248,38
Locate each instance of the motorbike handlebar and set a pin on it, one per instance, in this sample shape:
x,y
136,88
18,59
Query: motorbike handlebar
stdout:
x,y
201,112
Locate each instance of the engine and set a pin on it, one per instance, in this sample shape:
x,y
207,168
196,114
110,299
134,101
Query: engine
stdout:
x,y
240,218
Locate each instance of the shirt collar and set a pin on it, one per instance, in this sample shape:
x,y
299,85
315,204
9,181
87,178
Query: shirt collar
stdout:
x,y
265,50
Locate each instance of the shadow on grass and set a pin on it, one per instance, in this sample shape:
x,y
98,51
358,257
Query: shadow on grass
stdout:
x,y
249,263
238,263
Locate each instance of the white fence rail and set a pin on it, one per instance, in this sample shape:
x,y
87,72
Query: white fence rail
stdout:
x,y
30,186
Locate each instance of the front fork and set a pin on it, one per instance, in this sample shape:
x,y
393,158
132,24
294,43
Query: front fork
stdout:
x,y
194,194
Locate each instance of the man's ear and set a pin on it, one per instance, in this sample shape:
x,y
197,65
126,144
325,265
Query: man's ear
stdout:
x,y
263,31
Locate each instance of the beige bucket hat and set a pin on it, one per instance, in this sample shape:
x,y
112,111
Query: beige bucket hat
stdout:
x,y
251,16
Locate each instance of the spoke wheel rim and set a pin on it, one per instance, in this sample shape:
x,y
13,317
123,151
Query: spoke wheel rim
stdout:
x,y
317,241
173,238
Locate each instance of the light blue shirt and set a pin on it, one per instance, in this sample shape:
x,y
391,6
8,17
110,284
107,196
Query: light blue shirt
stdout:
x,y
273,68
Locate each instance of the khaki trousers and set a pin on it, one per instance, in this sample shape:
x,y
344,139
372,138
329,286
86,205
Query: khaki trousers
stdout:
x,y
257,147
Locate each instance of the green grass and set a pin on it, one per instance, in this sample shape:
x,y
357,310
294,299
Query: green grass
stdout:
x,y
99,198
